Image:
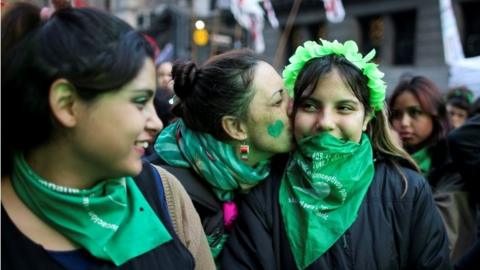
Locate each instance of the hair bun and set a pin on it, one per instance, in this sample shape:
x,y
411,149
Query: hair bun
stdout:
x,y
184,75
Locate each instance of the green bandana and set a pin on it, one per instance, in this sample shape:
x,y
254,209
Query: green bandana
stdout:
x,y
112,220
321,192
212,159
423,160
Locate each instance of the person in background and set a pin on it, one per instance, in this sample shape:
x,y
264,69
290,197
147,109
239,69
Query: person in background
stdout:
x,y
459,105
76,112
164,97
232,120
350,196
464,143
419,116
164,76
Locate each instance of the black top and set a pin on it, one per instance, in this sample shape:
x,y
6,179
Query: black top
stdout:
x,y
391,232
465,151
19,252
206,203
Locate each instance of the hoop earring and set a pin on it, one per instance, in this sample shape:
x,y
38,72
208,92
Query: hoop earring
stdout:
x,y
244,151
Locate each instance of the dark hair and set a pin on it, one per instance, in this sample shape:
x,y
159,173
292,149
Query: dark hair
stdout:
x,y
431,102
221,87
378,129
95,51
460,97
476,107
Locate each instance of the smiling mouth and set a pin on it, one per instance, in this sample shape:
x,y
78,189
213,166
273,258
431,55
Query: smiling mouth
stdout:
x,y
143,144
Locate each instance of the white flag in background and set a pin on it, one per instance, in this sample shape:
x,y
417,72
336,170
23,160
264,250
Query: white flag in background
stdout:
x,y
249,15
452,46
334,10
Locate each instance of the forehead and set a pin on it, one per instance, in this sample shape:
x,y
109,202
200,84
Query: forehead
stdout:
x,y
266,81
145,79
165,67
406,99
332,87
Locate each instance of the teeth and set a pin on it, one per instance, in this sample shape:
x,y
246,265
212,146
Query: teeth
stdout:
x,y
142,144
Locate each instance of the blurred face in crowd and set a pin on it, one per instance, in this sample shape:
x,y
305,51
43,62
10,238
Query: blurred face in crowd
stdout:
x,y
164,76
411,122
332,107
457,116
268,125
119,123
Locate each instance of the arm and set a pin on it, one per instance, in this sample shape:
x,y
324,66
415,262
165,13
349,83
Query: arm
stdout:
x,y
250,245
186,221
429,243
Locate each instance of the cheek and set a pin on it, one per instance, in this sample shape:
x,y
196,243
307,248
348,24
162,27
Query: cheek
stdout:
x,y
303,125
396,125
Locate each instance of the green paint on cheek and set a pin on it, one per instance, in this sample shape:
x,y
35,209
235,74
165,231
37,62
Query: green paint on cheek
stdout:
x,y
276,129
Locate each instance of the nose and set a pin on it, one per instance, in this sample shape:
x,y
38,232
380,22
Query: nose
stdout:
x,y
405,120
325,121
153,123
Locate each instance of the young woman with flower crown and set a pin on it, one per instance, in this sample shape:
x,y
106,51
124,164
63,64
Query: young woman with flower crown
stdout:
x,y
350,197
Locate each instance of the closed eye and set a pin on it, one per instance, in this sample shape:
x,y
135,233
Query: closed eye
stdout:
x,y
142,97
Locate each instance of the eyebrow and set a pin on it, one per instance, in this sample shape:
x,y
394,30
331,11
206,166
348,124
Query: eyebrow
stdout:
x,y
343,101
149,92
408,107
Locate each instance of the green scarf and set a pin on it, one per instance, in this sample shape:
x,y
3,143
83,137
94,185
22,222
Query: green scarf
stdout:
x,y
423,160
321,192
212,159
112,220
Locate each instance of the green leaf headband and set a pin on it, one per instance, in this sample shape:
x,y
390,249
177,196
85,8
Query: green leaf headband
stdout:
x,y
349,50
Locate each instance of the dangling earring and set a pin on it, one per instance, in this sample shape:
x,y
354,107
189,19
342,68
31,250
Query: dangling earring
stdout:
x,y
244,150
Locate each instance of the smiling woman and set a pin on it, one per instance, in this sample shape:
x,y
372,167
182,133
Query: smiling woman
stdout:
x,y
348,190
75,192
233,120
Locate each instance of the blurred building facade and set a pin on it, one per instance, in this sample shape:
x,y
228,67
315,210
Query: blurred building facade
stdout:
x,y
406,34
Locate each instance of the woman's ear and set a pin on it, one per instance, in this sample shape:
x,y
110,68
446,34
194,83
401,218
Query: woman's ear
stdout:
x,y
367,119
234,127
62,99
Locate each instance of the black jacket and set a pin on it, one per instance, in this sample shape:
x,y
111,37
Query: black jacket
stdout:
x,y
208,206
453,199
19,252
390,232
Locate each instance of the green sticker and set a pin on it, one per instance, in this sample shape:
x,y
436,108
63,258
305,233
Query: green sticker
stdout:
x,y
276,129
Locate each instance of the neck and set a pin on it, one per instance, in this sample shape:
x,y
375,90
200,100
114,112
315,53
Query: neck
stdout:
x,y
54,162
254,157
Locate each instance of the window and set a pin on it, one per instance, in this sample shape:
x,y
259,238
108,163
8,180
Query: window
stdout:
x,y
404,39
372,28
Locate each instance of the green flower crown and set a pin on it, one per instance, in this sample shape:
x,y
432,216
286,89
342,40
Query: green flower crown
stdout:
x,y
349,50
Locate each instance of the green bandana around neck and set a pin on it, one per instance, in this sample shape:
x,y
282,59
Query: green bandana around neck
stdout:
x,y
214,160
321,192
423,160
112,220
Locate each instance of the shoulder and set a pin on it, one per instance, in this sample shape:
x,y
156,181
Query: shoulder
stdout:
x,y
172,183
395,181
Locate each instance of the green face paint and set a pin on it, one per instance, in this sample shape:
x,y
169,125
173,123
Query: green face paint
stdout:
x,y
276,129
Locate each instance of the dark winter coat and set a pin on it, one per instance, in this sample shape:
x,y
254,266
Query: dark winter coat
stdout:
x,y
22,253
391,232
454,200
208,206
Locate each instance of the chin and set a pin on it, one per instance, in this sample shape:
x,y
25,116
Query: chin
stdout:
x,y
133,168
